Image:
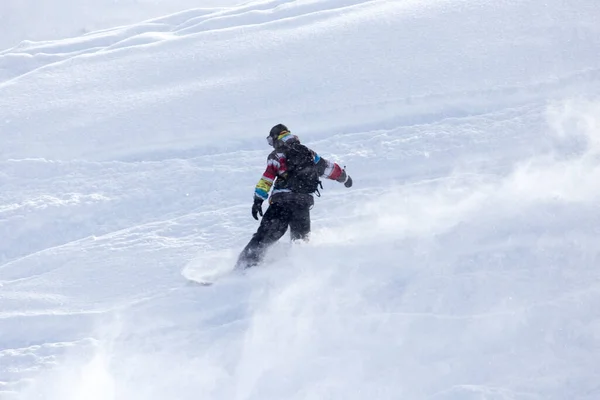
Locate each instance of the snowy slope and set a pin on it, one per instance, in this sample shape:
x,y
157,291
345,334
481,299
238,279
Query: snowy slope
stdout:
x,y
57,19
464,264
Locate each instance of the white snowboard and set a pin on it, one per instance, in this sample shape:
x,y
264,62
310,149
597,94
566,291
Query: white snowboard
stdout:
x,y
207,267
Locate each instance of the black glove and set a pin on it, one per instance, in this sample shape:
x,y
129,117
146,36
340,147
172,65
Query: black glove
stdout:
x,y
345,178
257,208
348,182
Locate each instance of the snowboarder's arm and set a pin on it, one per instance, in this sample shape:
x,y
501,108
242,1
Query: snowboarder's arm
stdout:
x,y
330,169
266,180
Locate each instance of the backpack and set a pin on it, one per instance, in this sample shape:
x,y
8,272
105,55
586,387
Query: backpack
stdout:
x,y
302,172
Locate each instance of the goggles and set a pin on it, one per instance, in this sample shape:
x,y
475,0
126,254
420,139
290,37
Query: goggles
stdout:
x,y
270,139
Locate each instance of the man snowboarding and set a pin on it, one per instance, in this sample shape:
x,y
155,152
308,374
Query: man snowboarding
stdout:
x,y
293,171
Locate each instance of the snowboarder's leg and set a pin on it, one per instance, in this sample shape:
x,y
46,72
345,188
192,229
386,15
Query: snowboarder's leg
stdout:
x,y
300,222
272,227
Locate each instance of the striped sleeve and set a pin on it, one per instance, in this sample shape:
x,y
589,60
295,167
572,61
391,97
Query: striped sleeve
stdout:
x,y
329,169
266,180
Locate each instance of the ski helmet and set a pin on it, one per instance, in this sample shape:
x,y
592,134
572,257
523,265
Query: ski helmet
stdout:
x,y
275,132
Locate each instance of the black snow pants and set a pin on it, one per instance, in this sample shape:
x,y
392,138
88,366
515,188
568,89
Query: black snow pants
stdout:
x,y
272,227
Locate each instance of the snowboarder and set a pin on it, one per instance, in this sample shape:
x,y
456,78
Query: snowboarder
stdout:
x,y
293,171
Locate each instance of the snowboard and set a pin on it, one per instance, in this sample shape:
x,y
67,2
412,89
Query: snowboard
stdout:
x,y
209,266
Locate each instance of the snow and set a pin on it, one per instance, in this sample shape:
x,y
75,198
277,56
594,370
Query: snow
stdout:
x,y
463,264
36,20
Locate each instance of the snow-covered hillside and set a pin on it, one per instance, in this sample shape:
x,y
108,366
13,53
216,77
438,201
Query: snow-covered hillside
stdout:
x,y
463,264
57,19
